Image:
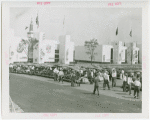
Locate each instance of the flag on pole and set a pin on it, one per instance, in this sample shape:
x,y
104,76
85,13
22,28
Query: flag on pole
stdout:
x,y
131,33
64,22
37,21
26,27
117,31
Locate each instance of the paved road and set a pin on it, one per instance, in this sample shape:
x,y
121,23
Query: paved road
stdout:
x,y
38,95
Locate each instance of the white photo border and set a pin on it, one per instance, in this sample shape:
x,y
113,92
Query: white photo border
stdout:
x,y
76,4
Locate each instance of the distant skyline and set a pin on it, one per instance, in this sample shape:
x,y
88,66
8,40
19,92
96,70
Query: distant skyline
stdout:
x,y
81,23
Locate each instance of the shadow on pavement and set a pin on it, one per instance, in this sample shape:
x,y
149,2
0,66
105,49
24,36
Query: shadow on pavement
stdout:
x,y
121,93
132,97
89,93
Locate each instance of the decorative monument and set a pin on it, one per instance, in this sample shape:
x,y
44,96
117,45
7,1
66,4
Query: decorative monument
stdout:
x,y
66,47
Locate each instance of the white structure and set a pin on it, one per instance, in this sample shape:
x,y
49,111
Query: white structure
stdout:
x,y
119,52
14,55
135,53
106,53
44,51
103,53
66,49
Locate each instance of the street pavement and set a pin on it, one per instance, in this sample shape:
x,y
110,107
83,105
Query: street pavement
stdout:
x,y
40,94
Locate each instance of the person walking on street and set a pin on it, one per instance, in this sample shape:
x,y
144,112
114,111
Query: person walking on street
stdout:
x,y
121,74
129,84
106,80
96,83
61,74
137,86
92,76
55,74
114,75
73,78
125,77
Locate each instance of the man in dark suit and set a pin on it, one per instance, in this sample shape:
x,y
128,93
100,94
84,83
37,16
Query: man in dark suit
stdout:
x,y
96,83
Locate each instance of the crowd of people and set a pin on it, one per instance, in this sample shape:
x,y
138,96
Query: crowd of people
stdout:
x,y
94,76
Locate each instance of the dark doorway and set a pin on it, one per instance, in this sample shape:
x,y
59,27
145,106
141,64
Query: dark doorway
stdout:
x,y
125,56
111,55
138,56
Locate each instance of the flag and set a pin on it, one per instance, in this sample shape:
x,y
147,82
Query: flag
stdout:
x,y
131,33
37,21
26,27
64,21
117,31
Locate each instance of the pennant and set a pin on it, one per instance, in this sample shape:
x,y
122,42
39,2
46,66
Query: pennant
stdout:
x,y
37,21
26,27
117,31
64,21
131,33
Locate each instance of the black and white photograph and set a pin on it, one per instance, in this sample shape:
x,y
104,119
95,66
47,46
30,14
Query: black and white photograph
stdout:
x,y
75,59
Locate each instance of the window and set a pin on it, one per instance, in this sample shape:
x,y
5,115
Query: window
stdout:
x,y
56,56
56,51
56,60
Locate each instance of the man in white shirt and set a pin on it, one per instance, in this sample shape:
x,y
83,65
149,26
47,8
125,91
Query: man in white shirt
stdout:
x,y
121,74
114,75
137,86
60,75
55,74
81,71
106,80
125,77
129,81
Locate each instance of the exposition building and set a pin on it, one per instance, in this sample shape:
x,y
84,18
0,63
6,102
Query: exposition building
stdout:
x,y
41,50
115,53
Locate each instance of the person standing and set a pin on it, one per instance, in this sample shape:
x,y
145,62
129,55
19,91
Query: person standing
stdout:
x,y
125,77
81,71
114,75
72,78
121,74
141,79
137,86
129,84
61,74
96,84
106,80
92,76
55,74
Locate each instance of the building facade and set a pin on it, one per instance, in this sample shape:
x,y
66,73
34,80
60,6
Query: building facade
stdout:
x,y
116,53
66,49
44,51
103,54
17,50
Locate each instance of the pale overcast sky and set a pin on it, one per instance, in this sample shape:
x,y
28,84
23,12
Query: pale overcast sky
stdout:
x,y
81,23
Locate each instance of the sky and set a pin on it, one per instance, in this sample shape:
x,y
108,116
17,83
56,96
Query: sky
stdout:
x,y
82,24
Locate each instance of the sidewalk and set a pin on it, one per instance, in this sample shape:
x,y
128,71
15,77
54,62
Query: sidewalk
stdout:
x,y
116,92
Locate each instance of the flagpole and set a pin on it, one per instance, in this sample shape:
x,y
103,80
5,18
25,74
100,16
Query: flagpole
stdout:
x,y
131,41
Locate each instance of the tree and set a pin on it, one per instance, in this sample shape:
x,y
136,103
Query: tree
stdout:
x,y
90,46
